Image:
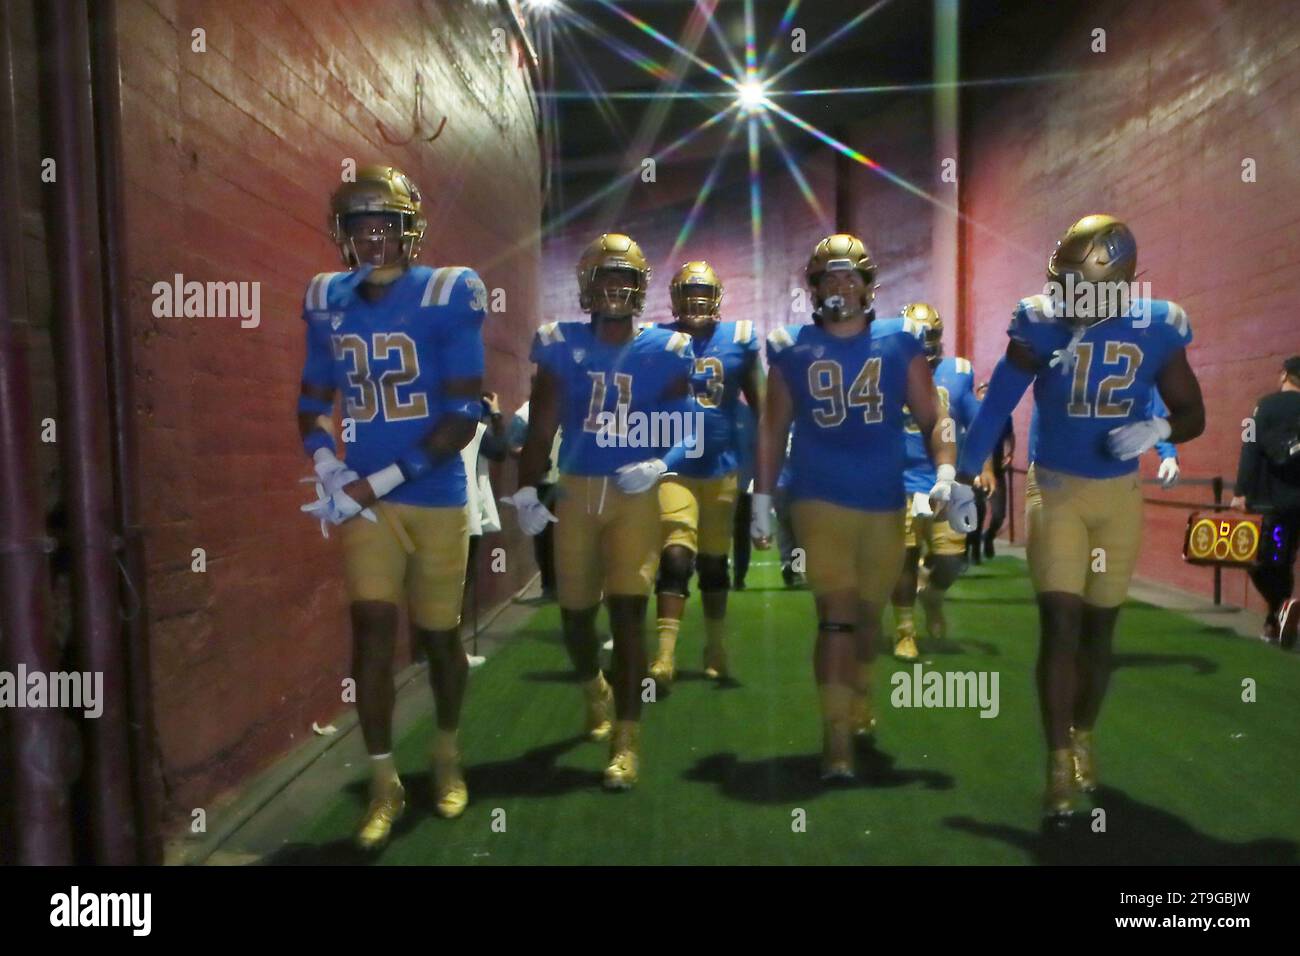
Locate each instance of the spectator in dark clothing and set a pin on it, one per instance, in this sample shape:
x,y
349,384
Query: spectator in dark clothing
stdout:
x,y
1268,480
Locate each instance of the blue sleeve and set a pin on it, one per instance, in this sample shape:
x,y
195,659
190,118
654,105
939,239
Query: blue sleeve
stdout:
x,y
968,405
1157,408
461,328
517,431
318,371
1006,388
547,347
1028,325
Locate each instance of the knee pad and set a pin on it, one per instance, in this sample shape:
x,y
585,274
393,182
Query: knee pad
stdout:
x,y
676,565
836,627
714,572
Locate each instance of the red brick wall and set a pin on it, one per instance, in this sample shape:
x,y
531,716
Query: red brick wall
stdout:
x,y
1154,130
230,157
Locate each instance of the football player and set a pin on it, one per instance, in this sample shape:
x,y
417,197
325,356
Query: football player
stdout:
x,y
697,502
592,377
955,383
1093,354
403,345
843,382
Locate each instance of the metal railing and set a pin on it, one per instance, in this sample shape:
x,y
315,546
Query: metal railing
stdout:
x,y
1215,484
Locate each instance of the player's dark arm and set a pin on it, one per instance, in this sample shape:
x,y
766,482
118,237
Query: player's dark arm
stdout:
x,y
543,422
929,414
315,424
1011,379
1182,394
493,447
773,432
752,384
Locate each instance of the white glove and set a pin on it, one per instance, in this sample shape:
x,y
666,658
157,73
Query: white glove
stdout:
x,y
760,522
533,515
1168,473
639,476
1129,441
953,501
335,508
331,472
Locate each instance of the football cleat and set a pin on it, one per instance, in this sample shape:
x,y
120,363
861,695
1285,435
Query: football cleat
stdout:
x,y
1083,752
664,671
1062,796
450,795
931,600
864,716
837,753
600,704
384,811
624,756
905,648
715,662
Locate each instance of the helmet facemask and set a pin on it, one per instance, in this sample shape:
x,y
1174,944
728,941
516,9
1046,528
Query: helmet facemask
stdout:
x,y
835,307
1091,270
697,304
377,240
616,292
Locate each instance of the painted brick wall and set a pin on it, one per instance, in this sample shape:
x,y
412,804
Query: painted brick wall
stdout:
x,y
1155,130
231,156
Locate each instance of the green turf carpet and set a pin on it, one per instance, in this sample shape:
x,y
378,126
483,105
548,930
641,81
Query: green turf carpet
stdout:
x,y
1190,773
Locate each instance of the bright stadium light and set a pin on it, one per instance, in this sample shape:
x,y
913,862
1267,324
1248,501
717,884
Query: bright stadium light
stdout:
x,y
752,95
543,6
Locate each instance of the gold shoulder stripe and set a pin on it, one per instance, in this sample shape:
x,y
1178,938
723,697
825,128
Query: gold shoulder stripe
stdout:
x,y
550,333
963,366
744,332
779,338
318,290
677,343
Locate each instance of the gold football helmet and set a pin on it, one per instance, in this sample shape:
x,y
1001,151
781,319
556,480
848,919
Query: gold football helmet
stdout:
x,y
379,190
1096,249
838,253
696,293
613,251
927,318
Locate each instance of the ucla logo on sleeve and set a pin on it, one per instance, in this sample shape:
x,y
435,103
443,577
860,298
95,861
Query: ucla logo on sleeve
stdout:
x,y
336,319
579,355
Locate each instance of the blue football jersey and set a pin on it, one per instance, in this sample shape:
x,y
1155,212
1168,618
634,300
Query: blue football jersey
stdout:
x,y
596,377
390,360
720,364
1110,382
1156,408
954,379
848,398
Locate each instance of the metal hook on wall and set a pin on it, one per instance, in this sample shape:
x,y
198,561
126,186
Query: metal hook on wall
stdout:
x,y
417,119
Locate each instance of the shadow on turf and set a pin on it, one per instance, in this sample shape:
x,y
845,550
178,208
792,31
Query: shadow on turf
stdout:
x,y
1137,834
797,776
531,774
1199,664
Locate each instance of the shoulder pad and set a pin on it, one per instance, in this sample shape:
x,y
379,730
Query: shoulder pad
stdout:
x,y
678,343
317,297
1176,316
744,332
550,333
441,282
1036,308
779,338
